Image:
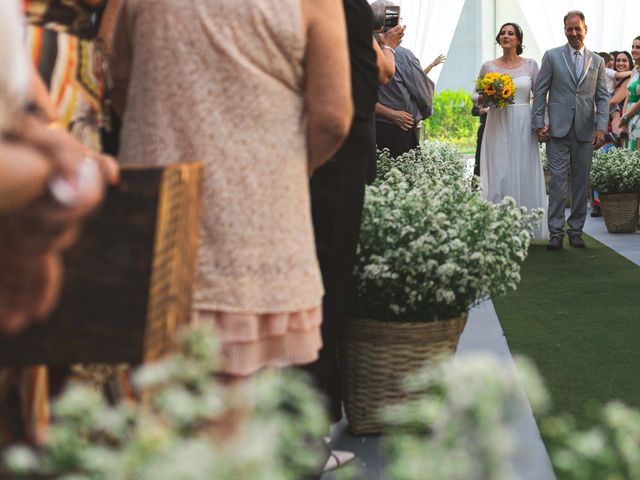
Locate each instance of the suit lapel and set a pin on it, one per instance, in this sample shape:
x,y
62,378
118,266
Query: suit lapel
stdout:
x,y
568,61
587,63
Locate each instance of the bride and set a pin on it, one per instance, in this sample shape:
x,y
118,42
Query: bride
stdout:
x,y
510,158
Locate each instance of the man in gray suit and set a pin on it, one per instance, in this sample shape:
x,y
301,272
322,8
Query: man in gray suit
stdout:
x,y
578,111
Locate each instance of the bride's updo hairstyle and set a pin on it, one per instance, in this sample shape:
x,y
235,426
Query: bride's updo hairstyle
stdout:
x,y
519,36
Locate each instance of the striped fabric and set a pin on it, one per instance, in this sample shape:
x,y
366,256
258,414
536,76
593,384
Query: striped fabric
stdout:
x,y
74,71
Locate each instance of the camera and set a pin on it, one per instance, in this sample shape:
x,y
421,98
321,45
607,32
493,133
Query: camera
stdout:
x,y
391,17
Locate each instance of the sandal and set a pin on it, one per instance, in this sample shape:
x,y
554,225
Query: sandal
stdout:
x,y
337,459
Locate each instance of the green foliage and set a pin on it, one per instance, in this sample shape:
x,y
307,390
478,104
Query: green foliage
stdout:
x,y
616,171
451,120
177,434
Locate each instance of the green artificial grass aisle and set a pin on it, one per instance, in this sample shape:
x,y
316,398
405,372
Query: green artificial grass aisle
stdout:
x,y
576,314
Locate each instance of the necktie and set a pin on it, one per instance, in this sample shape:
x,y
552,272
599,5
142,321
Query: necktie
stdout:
x,y
578,64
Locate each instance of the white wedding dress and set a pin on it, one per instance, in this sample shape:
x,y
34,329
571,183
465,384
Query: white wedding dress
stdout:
x,y
510,158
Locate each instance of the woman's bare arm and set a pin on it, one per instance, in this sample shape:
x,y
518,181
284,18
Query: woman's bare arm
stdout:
x,y
620,93
328,81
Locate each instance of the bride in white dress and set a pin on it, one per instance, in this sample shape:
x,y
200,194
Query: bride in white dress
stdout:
x,y
510,158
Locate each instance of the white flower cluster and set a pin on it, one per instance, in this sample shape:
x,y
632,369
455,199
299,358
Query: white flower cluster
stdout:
x,y
465,420
430,246
180,432
616,171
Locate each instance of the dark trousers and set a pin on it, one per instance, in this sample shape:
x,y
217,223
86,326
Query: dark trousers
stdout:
x,y
395,139
337,197
476,168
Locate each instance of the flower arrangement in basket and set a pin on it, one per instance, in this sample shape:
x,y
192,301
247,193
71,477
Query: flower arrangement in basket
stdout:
x,y
497,89
615,175
430,247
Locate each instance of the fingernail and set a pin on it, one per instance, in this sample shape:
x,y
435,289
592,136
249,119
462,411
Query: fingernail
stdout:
x,y
63,191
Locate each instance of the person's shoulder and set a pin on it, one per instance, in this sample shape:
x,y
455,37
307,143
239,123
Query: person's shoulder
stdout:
x,y
404,52
530,61
556,50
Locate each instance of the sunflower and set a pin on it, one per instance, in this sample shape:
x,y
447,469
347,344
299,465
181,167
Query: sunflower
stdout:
x,y
507,92
489,89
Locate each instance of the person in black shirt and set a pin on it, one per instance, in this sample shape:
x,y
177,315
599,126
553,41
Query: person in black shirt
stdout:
x,y
337,190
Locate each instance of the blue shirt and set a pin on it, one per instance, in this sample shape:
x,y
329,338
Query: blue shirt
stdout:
x,y
410,90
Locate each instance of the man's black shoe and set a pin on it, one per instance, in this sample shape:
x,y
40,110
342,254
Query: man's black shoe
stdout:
x,y
555,243
596,211
576,241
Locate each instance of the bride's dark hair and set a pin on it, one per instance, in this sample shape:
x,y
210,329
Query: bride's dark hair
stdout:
x,y
519,36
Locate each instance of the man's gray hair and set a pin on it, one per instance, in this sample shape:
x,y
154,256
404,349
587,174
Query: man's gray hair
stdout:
x,y
378,12
574,13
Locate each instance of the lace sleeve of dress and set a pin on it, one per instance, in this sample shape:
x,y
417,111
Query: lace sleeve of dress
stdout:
x,y
534,69
476,97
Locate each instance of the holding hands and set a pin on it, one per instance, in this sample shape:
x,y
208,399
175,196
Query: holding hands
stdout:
x,y
543,134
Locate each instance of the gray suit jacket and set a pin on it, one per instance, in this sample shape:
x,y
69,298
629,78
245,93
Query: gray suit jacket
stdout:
x,y
571,99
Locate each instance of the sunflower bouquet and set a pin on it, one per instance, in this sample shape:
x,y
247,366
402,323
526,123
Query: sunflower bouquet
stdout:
x,y
497,89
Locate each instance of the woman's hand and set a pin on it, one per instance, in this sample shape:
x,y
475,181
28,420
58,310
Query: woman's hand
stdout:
x,y
438,60
64,151
34,232
623,121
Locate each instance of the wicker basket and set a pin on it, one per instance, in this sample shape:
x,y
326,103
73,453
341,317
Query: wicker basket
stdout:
x,y
376,356
620,211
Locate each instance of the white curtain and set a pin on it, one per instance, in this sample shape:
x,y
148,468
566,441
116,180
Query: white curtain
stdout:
x,y
611,25
430,28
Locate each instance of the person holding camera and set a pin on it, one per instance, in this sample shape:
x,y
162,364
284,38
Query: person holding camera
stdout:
x,y
407,99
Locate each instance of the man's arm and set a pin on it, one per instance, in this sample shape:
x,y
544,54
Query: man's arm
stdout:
x,y
602,100
543,84
418,84
403,120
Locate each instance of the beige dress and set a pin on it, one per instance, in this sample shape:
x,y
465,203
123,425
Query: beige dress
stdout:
x,y
221,81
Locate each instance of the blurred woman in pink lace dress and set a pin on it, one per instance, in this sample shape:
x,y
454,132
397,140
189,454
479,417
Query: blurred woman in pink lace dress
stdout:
x,y
260,92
